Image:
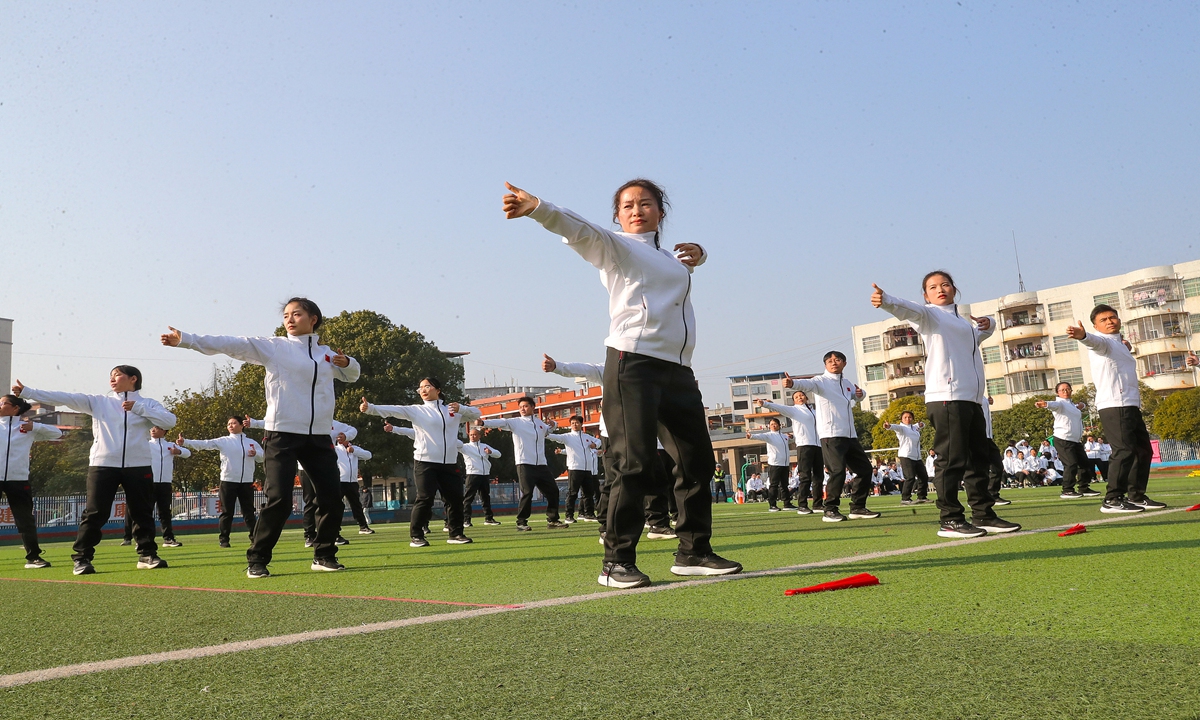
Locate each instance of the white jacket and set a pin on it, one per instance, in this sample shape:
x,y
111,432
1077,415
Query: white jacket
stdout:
x,y
592,372
649,289
1105,452
529,437
405,431
909,437
348,461
436,427
1114,371
164,461
953,365
236,464
580,447
929,465
300,375
349,431
777,447
1043,449
477,456
1092,449
1011,465
15,446
835,403
120,439
804,422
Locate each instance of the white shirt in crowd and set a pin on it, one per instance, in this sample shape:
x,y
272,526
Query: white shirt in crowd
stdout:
x,y
16,446
237,466
164,460
1048,448
435,427
529,437
119,438
835,398
1105,452
953,364
1068,420
477,456
580,447
348,458
777,447
909,437
1092,448
929,464
1114,371
804,422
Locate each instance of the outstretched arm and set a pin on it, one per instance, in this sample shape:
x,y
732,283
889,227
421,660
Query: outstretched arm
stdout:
x,y
256,350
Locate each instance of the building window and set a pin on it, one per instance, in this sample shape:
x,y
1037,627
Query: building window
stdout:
x,y
1195,322
990,354
875,372
1072,375
774,394
741,405
758,389
997,386
1191,287
879,403
1060,310
1111,299
1031,381
872,344
740,391
1065,344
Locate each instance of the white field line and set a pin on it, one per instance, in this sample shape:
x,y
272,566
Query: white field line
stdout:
x,y
67,671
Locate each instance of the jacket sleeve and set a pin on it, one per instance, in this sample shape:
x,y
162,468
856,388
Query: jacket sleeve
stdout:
x,y
498,423
405,431
256,350
200,444
349,373
593,372
757,434
183,452
985,334
594,443
807,385
396,411
260,456
349,431
79,402
901,309
257,424
153,411
556,439
602,248
1099,345
1055,405
494,452
469,412
42,431
362,454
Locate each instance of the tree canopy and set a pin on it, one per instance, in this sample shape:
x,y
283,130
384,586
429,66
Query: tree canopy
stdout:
x,y
1177,417
884,438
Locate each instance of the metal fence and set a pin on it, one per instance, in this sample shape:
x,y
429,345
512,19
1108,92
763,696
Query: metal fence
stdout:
x,y
1177,451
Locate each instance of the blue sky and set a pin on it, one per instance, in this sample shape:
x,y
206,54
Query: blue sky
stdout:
x,y
195,164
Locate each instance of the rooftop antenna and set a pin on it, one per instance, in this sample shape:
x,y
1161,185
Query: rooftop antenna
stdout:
x,y
1020,280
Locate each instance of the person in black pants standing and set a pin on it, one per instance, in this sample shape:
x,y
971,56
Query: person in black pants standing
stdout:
x,y
348,458
164,452
1068,431
529,449
809,463
720,494
120,457
915,478
650,391
18,437
239,455
300,399
578,447
478,456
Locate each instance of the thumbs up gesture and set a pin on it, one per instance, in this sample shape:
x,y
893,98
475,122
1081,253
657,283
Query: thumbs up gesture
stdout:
x,y
341,360
787,380
517,202
548,364
876,296
362,407
1076,332
1192,360
171,339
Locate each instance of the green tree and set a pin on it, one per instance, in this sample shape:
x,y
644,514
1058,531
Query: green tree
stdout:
x,y
1150,402
201,415
1023,421
60,468
864,425
884,438
1177,417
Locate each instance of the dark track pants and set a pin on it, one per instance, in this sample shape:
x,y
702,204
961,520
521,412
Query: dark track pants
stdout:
x,y
777,475
1074,460
581,480
20,502
283,452
915,478
309,497
162,502
811,468
536,476
720,494
431,478
995,469
350,493
661,510
646,400
840,454
961,443
102,484
478,485
243,494
1129,466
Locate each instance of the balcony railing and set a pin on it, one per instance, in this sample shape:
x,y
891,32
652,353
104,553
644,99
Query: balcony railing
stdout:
x,y
1024,352
1021,322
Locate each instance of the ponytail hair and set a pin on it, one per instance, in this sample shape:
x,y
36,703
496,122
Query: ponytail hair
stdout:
x,y
131,371
22,404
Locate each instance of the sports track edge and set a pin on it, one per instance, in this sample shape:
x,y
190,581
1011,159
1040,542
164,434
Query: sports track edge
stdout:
x,y
67,671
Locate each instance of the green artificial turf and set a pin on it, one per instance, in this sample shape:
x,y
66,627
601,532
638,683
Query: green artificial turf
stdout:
x,y
1102,624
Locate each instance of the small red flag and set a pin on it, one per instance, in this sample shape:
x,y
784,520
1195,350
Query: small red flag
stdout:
x,y
1073,530
1194,507
854,581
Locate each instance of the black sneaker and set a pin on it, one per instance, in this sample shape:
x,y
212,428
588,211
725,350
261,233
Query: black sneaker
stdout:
x,y
789,506
658,533
998,501
522,527
803,510
772,509
467,523
309,542
707,565
960,529
152,562
491,521
83,567
36,564
587,517
172,543
623,576
445,528
255,571
863,514
906,502
339,540
602,536
126,543
326,565
418,542
1148,504
1088,492
832,515
225,544
818,507
1120,506
458,540
570,520
556,525
369,531
1070,495
996,525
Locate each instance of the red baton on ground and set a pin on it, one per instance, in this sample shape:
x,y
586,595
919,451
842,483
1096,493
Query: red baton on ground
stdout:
x,y
1194,507
1073,530
854,581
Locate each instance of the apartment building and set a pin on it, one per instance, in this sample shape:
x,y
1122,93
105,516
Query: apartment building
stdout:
x,y
1030,352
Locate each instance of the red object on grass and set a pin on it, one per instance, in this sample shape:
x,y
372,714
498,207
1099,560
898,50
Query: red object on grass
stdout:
x,y
860,580
1073,530
1194,507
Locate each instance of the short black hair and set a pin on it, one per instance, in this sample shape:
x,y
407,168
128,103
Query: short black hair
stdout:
x,y
235,417
1064,382
573,418
527,399
131,371
1102,308
834,353
907,412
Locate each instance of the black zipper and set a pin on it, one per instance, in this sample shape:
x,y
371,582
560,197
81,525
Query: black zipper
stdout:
x,y
242,442
539,445
124,429
312,397
446,449
8,452
683,314
160,461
